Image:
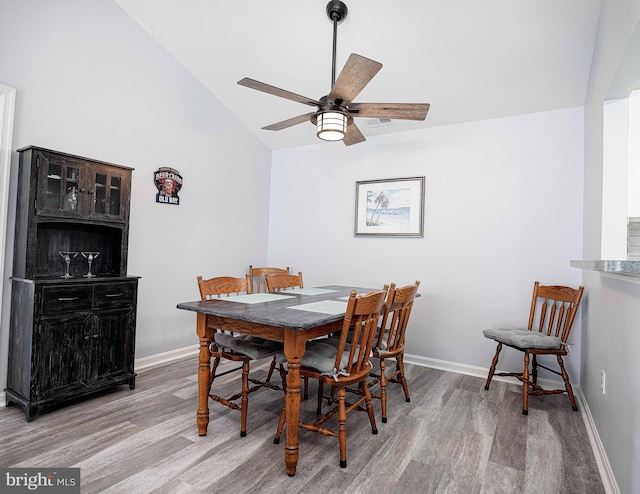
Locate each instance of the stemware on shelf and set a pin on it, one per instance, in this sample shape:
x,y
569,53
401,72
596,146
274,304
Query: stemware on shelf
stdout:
x,y
90,257
67,256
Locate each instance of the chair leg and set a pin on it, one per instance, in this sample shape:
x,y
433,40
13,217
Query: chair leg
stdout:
x,y
525,385
332,394
214,367
281,421
272,367
567,384
244,402
494,362
305,395
534,367
403,380
372,417
283,415
342,427
283,377
320,397
383,390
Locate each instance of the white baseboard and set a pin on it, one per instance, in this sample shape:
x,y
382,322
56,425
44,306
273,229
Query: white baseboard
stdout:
x,y
608,479
165,357
606,472
604,467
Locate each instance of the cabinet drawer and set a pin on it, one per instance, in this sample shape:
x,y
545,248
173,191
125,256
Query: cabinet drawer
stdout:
x,y
66,298
114,295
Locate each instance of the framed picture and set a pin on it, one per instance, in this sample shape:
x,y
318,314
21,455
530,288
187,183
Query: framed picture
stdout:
x,y
390,208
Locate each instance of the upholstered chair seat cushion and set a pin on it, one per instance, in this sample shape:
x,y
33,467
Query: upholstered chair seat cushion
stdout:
x,y
321,356
523,338
251,346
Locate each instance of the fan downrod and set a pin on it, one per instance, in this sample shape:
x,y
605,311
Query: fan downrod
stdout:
x,y
336,11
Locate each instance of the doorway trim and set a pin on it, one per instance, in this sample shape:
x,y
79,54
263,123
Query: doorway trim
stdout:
x,y
7,111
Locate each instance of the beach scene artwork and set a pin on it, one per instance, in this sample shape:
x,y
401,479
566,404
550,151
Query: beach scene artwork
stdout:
x,y
389,207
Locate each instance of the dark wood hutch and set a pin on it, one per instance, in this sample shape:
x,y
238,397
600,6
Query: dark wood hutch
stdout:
x,y
72,335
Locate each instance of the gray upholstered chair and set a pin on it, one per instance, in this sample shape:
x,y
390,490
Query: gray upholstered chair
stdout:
x,y
554,308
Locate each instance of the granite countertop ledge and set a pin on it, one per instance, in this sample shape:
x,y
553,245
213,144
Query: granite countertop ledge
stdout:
x,y
609,266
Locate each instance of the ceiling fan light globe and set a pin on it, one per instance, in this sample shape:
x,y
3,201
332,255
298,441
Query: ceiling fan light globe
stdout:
x,y
331,126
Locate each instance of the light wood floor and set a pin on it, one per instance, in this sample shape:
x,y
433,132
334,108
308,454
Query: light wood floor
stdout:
x,y
452,437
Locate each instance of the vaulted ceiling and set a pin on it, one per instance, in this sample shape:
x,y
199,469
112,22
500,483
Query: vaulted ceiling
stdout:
x,y
471,60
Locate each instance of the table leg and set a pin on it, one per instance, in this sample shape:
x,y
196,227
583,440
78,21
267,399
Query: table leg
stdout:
x,y
204,371
293,349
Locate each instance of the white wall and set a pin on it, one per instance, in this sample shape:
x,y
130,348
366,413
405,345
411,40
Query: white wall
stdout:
x,y
90,82
611,332
503,209
634,155
615,176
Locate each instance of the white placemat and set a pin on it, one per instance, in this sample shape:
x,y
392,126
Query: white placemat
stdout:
x,y
255,298
323,306
311,291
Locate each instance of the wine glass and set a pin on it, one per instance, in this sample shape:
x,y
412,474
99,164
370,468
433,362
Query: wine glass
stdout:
x,y
66,257
90,257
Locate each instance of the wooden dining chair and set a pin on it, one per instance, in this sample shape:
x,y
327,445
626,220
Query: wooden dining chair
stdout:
x,y
278,282
259,285
343,366
553,308
236,348
258,277
389,343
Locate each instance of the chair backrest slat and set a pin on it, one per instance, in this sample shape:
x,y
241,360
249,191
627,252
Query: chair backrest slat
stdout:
x,y
561,320
552,318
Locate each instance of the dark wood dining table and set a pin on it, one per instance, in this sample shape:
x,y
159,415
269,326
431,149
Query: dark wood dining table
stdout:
x,y
276,320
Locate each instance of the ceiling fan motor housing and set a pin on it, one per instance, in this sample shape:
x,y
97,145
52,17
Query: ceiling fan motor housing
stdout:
x,y
336,10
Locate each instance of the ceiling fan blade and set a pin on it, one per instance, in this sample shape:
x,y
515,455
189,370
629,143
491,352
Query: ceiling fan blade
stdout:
x,y
355,75
354,136
290,122
276,91
392,111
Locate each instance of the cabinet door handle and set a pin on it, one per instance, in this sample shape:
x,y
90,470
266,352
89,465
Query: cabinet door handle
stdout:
x,y
67,299
115,294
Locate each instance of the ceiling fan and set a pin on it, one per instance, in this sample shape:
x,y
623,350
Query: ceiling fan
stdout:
x,y
334,112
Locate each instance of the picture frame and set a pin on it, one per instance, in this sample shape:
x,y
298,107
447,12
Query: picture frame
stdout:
x,y
391,207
